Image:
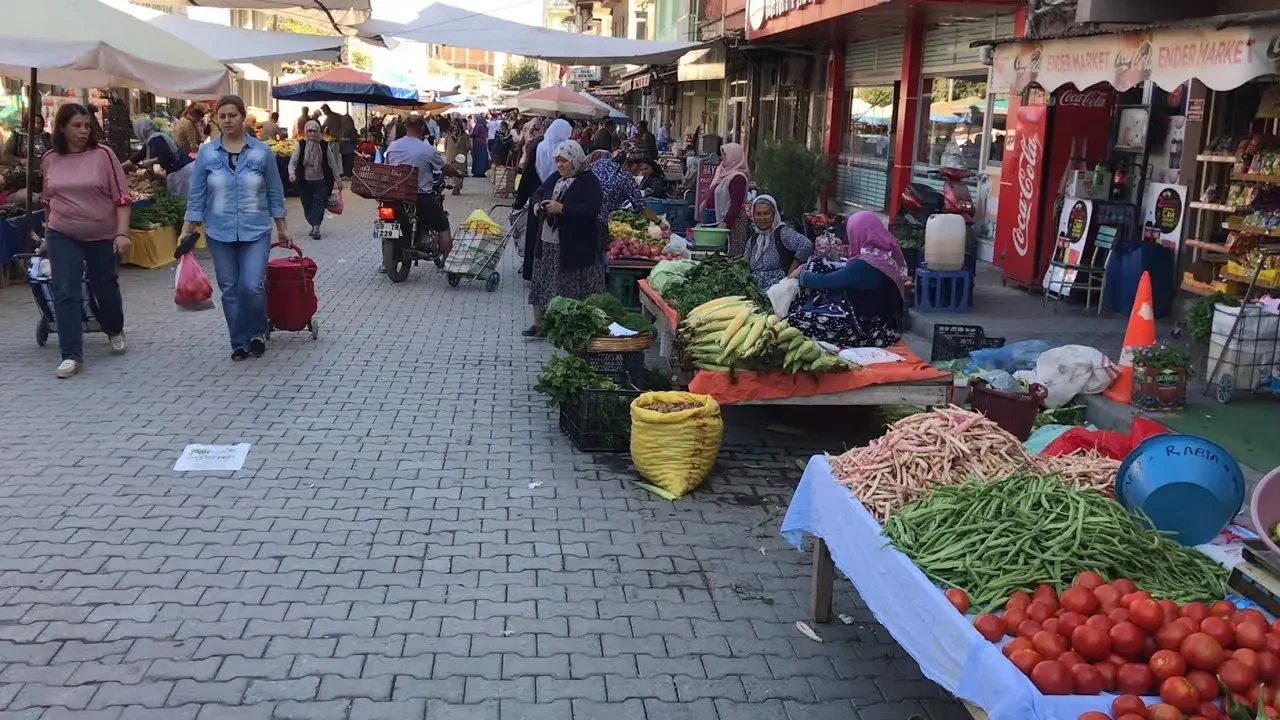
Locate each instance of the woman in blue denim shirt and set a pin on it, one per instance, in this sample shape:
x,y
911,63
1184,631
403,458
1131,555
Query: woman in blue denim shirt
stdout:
x,y
236,192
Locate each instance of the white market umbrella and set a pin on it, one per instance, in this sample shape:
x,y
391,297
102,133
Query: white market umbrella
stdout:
x,y
238,45
441,23
614,113
557,100
84,43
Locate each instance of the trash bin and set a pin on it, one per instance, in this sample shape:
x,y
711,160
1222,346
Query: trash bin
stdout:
x,y
1124,269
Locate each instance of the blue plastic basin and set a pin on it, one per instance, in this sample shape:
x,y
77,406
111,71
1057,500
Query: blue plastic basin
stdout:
x,y
1188,486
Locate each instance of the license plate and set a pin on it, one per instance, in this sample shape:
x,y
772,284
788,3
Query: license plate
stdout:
x,y
384,230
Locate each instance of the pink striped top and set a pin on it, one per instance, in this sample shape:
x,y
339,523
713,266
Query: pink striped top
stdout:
x,y
82,191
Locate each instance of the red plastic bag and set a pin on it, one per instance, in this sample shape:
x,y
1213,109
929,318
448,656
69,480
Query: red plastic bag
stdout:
x,y
1112,444
191,288
335,202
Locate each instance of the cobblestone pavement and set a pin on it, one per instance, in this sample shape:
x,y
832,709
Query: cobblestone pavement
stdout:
x,y
387,552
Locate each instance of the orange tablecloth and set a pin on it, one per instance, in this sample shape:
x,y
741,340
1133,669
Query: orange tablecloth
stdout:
x,y
741,386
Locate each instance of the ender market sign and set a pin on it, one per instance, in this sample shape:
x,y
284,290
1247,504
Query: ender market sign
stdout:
x,y
760,11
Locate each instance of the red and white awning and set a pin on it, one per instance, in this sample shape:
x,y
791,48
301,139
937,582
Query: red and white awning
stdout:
x,y
1222,59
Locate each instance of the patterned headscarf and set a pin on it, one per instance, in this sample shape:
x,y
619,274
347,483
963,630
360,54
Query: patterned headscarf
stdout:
x,y
871,243
758,246
571,150
314,156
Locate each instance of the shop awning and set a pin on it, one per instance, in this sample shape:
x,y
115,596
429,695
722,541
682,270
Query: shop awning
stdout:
x,y
237,45
85,44
443,24
1219,53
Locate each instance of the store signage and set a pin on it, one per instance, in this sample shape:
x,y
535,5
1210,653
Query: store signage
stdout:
x,y
1028,169
585,73
761,11
1073,236
1018,199
638,82
1164,208
1195,110
1220,58
1086,99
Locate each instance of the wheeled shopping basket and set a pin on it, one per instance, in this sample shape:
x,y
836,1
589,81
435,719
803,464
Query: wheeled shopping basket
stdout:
x,y
42,289
475,255
504,181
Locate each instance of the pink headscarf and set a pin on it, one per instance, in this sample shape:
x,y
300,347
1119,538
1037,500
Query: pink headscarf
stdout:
x,y
871,243
733,161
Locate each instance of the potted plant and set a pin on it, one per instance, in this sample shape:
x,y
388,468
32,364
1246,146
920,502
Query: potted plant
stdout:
x,y
1160,377
794,175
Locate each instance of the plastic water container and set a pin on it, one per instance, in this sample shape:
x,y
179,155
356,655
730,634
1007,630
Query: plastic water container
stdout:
x,y
1188,486
944,237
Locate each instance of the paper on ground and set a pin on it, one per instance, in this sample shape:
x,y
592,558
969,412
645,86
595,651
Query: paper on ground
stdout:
x,y
616,330
212,458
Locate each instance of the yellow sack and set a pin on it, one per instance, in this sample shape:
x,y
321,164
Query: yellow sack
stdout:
x,y
674,451
479,221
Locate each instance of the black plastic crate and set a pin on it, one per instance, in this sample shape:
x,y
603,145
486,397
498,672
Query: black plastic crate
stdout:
x,y
953,342
624,368
599,420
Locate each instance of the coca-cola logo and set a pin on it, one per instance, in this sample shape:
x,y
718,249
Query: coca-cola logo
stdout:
x,y
1028,162
1273,49
1085,99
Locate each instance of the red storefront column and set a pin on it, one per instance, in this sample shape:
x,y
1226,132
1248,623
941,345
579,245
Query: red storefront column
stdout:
x,y
836,100
908,106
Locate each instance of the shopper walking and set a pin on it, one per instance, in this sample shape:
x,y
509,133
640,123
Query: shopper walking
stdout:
x,y
727,193
539,165
87,201
456,144
567,263
187,133
237,193
479,147
347,144
315,170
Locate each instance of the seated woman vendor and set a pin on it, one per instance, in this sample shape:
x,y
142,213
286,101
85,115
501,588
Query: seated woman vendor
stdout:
x,y
775,249
859,304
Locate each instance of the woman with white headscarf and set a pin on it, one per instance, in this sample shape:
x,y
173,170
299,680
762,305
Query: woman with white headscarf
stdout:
x,y
774,249
538,166
159,150
321,172
567,262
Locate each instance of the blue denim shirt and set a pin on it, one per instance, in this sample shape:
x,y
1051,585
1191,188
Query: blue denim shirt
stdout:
x,y
235,205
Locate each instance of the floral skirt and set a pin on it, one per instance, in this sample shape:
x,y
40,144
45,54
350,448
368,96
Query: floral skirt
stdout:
x,y
549,281
739,233
830,317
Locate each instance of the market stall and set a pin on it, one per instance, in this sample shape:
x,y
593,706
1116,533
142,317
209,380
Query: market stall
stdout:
x,y
910,381
1070,587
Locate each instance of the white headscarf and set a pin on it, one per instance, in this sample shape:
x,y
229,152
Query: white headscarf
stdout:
x,y
559,131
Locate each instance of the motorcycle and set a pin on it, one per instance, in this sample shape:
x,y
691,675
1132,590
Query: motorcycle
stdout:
x,y
404,243
919,200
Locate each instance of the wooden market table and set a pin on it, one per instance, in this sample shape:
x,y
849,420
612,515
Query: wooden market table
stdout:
x,y
911,382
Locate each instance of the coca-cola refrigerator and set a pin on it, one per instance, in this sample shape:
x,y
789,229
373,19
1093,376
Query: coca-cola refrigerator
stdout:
x,y
1043,134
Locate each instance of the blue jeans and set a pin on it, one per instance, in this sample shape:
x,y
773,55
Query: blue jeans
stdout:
x,y
70,261
241,268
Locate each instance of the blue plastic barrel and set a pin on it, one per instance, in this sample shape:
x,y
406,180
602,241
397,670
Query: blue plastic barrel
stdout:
x,y
1188,486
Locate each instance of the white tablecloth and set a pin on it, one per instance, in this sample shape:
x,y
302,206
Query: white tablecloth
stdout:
x,y
950,652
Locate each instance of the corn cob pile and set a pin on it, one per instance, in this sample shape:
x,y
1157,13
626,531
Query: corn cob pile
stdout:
x,y
731,332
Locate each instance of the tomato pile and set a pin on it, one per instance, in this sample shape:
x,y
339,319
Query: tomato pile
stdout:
x,y
1099,637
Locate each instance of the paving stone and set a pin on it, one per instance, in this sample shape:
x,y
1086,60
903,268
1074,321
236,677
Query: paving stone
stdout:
x,y
381,548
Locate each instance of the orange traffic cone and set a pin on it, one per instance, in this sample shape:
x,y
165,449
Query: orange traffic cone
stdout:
x,y
1140,333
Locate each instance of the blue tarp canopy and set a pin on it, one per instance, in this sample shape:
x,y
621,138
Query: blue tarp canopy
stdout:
x,y
346,84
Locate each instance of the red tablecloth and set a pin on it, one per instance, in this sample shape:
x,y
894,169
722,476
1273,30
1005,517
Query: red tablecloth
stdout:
x,y
740,386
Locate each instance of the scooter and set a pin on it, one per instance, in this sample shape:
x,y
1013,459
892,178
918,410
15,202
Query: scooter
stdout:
x,y
919,200
404,244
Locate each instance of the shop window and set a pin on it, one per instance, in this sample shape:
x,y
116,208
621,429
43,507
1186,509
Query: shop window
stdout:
x,y
998,112
951,124
862,174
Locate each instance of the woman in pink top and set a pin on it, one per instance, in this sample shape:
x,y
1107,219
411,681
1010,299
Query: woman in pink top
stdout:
x,y
86,198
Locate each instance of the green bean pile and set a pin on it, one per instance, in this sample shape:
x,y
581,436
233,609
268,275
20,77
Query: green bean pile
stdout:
x,y
991,538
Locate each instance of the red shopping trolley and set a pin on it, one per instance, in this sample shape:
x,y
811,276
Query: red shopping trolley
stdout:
x,y
291,293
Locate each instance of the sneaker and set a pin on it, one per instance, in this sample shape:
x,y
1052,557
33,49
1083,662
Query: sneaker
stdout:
x,y
239,354
315,232
531,331
118,345
69,368
258,346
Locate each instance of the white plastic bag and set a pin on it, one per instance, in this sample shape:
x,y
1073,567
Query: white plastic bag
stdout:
x,y
678,246
782,294
1070,370
519,225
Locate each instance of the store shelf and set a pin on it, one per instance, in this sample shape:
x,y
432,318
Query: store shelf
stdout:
x,y
1215,207
1229,159
1245,280
1195,287
1246,177
1250,229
